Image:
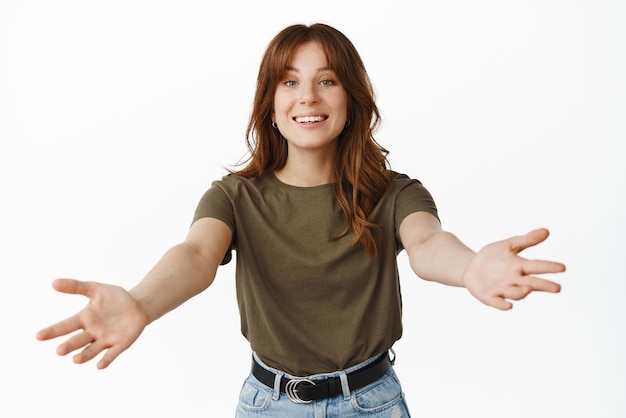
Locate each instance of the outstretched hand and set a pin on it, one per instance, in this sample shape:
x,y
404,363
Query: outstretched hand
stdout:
x,y
498,274
111,322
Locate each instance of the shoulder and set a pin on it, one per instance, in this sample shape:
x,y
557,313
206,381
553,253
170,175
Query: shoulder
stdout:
x,y
409,195
401,181
232,179
224,194
234,183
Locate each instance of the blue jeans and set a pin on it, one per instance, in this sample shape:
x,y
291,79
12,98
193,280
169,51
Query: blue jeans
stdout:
x,y
381,399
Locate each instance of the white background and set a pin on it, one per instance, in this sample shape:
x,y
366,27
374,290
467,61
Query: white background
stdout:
x,y
116,116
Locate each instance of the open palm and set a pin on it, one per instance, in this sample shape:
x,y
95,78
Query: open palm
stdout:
x,y
111,322
498,274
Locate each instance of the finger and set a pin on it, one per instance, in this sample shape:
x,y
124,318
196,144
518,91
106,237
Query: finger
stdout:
x,y
517,292
541,285
74,343
542,266
520,243
109,356
74,287
89,353
64,327
499,302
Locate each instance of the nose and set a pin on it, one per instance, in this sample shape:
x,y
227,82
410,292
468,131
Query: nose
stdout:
x,y
308,93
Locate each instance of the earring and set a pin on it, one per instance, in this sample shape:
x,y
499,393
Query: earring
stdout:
x,y
274,125
347,123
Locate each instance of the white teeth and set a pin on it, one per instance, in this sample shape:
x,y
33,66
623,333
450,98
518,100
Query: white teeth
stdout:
x,y
304,119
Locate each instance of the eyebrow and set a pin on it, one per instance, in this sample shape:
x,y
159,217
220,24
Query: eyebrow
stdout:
x,y
295,70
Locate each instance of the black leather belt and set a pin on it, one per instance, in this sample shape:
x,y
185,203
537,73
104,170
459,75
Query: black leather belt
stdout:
x,y
304,390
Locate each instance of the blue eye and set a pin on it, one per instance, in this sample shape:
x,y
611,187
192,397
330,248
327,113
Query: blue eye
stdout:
x,y
327,82
290,83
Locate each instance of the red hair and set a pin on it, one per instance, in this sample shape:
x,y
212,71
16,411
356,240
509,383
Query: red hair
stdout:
x,y
361,169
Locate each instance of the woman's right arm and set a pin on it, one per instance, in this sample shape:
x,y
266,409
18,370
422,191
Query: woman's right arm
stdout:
x,y
114,318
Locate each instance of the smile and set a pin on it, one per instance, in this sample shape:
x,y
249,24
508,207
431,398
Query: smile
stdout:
x,y
310,119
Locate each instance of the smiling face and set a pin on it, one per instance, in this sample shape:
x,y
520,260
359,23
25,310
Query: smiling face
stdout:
x,y
310,105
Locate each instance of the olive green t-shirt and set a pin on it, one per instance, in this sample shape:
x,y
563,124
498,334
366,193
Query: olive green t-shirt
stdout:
x,y
309,303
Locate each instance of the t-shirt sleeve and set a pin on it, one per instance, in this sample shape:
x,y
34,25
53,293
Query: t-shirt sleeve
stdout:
x,y
215,203
413,197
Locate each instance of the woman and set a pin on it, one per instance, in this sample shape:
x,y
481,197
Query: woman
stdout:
x,y
317,220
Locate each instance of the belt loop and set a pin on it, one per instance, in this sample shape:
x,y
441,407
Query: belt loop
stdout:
x,y
345,387
392,360
277,379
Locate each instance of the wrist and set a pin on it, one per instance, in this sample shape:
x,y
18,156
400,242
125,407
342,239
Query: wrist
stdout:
x,y
467,269
143,306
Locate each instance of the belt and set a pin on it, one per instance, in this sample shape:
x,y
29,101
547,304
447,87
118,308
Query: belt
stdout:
x,y
304,390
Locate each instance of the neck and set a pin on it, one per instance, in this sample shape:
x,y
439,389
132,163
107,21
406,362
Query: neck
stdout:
x,y
307,170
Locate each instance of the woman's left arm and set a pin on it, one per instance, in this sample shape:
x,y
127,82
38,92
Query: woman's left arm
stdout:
x,y
494,275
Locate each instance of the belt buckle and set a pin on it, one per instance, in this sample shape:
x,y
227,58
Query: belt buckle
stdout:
x,y
291,388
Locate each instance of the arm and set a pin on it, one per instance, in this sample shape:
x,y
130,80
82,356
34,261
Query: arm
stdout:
x,y
114,317
185,270
493,275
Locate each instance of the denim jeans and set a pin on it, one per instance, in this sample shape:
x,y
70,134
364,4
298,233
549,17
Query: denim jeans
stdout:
x,y
381,399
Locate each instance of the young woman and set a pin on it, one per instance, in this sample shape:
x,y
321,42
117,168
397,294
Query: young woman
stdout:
x,y
317,220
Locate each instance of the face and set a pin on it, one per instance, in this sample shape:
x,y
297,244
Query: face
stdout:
x,y
310,106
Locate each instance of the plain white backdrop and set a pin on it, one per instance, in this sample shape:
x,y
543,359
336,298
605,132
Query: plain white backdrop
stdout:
x,y
116,116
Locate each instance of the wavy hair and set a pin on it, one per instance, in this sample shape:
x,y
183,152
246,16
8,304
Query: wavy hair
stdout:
x,y
361,171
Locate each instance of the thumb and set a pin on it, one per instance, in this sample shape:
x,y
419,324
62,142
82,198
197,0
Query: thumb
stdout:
x,y
74,287
520,243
